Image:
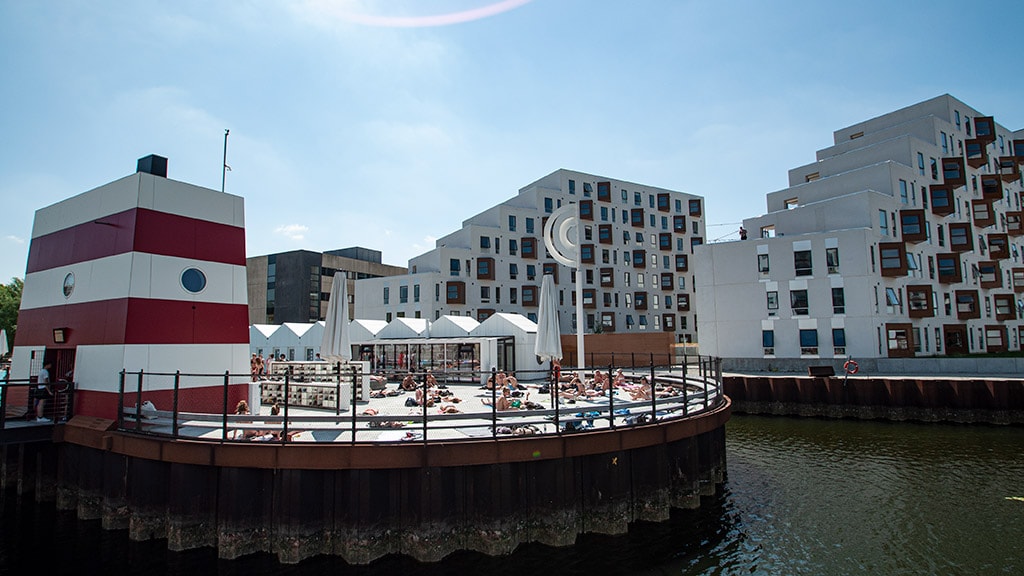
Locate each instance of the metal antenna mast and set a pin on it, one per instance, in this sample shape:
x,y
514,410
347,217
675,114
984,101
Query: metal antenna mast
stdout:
x,y
224,169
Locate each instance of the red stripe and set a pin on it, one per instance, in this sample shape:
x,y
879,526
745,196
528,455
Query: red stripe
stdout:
x,y
140,230
136,321
205,399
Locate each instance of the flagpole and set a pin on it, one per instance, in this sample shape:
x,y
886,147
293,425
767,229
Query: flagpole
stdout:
x,y
224,164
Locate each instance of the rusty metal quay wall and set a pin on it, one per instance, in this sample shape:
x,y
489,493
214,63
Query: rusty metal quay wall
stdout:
x,y
361,502
925,399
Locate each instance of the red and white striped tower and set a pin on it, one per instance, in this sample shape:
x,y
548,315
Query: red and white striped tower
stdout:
x,y
143,273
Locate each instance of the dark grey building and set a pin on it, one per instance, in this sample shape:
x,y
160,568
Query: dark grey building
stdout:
x,y
295,286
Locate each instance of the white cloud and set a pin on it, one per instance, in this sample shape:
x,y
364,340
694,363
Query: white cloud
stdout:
x,y
292,231
15,239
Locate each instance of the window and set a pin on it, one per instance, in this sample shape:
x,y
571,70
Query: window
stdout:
x,y
920,164
695,209
838,301
883,223
945,143
949,268
529,248
892,297
903,191
485,243
456,293
839,341
529,296
531,272
636,217
416,293
682,263
588,190
387,294
960,237
604,191
762,263
772,301
548,206
529,225
455,266
513,246
511,223
892,256
809,341
586,209
403,294
798,301
768,341
485,268
513,270
802,262
832,260
485,293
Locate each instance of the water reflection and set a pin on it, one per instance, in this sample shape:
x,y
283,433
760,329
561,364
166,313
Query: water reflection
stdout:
x,y
803,496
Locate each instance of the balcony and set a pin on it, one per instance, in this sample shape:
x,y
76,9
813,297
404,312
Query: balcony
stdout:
x,y
943,200
992,186
1015,223
961,237
893,256
977,152
998,246
1009,167
919,297
985,129
967,304
912,228
1018,279
949,268
1006,307
983,214
953,172
989,275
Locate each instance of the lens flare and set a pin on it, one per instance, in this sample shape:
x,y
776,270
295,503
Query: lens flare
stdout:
x,y
432,20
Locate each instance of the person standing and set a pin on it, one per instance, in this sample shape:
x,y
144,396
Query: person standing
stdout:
x,y
43,392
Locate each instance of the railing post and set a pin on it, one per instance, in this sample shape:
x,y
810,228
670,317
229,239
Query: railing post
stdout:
x,y
424,397
494,403
138,403
337,391
287,401
654,394
120,400
354,416
174,408
224,421
3,400
611,397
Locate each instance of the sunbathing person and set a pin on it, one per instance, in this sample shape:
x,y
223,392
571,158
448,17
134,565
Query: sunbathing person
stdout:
x,y
503,402
409,383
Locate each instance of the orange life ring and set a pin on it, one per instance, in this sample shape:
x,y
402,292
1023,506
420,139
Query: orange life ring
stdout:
x,y
851,367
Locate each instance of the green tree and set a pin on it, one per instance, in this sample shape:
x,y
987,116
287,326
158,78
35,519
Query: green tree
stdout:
x,y
10,302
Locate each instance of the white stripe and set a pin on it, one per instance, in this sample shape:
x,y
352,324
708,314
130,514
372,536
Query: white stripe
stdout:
x,y
134,275
141,191
98,368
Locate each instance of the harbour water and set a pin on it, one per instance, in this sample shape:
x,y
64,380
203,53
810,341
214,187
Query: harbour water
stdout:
x,y
803,496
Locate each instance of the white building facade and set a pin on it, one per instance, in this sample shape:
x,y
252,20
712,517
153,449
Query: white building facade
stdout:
x,y
903,239
635,248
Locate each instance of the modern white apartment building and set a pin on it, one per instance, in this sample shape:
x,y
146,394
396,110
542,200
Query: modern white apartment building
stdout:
x,y
636,248
903,239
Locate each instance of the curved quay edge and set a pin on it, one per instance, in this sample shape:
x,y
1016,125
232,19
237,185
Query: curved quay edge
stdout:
x,y
362,502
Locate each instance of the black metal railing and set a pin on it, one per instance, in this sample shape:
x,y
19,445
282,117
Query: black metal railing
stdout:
x,y
19,397
343,405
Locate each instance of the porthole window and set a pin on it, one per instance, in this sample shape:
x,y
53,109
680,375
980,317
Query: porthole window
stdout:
x,y
69,284
193,280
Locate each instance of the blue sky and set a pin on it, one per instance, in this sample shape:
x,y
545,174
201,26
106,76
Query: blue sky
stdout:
x,y
387,123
